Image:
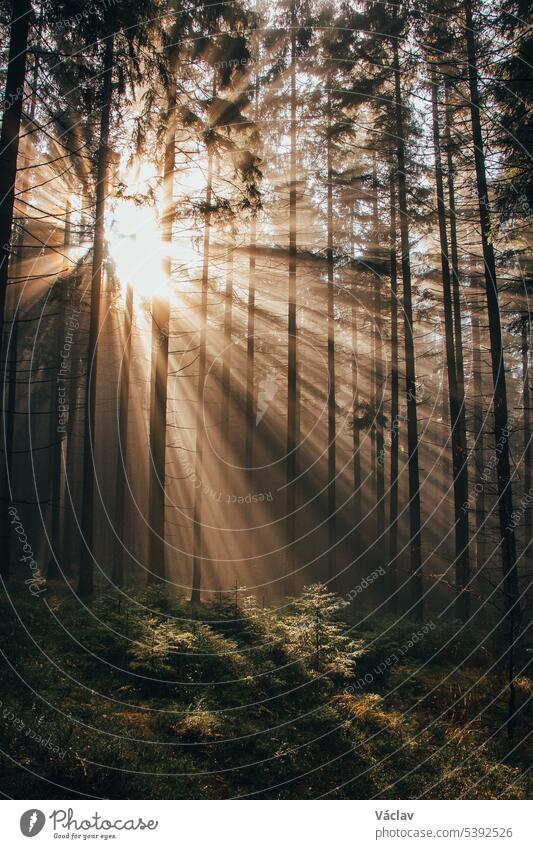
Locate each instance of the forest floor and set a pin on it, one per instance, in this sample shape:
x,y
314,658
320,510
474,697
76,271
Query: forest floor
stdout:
x,y
114,700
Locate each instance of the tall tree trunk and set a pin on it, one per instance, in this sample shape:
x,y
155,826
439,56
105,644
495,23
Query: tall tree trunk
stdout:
x,y
227,353
446,454
332,430
456,400
250,357
292,377
417,589
355,390
56,441
86,577
117,569
10,135
9,438
395,409
378,376
456,290
501,419
202,370
479,442
57,434
70,547
9,147
159,370
250,343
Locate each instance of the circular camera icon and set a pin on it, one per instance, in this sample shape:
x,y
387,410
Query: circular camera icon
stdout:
x,y
32,822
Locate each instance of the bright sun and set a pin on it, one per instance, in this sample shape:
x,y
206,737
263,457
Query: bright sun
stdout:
x,y
135,244
135,240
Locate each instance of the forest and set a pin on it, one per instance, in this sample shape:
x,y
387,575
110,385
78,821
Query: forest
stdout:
x,y
265,475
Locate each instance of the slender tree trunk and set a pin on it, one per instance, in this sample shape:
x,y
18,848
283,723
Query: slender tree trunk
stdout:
x,y
355,391
456,290
117,569
70,537
479,440
227,354
158,436
446,454
395,408
57,435
332,429
9,147
250,344
379,369
159,370
9,437
250,357
456,400
202,364
501,418
56,439
86,577
10,135
292,377
417,588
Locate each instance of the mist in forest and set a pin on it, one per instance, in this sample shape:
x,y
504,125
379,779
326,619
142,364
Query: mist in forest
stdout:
x,y
265,274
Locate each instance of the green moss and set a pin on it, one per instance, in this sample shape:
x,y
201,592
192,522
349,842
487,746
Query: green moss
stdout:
x,y
150,698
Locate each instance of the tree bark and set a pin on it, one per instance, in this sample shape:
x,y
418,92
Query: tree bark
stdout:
x,y
202,363
479,441
378,377
227,354
117,569
292,377
250,342
9,438
395,408
456,290
332,435
501,419
159,370
416,582
355,392
57,437
10,135
456,399
9,147
86,574
250,357
70,536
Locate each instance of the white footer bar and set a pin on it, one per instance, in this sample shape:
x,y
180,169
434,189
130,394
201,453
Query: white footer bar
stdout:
x,y
268,824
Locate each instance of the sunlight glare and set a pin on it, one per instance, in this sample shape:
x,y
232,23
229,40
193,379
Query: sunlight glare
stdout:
x,y
136,247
